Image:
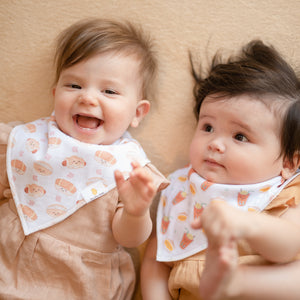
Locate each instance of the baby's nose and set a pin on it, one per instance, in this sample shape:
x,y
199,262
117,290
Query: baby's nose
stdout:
x,y
89,97
217,144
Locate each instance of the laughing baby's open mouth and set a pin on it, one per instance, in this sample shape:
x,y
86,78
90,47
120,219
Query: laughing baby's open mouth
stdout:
x,y
88,122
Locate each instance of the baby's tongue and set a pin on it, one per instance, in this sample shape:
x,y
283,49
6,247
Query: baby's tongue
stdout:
x,y
87,122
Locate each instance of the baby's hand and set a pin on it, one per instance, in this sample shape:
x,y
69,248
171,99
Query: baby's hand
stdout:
x,y
222,223
137,192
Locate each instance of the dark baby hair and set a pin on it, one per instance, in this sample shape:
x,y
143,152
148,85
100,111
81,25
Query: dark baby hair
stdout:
x,y
257,70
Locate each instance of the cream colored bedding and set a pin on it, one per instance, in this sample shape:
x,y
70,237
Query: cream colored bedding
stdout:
x,y
28,29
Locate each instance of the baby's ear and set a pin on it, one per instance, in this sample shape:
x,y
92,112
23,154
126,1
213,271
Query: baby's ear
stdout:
x,y
289,168
142,109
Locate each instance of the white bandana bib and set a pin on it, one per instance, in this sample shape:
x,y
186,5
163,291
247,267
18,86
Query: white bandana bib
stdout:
x,y
186,197
52,175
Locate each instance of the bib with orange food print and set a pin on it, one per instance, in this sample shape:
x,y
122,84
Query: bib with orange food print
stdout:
x,y
52,175
186,197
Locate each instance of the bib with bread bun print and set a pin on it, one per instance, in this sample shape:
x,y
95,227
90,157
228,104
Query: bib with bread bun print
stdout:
x,y
52,175
185,199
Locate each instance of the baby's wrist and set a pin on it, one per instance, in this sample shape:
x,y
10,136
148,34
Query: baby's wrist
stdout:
x,y
136,215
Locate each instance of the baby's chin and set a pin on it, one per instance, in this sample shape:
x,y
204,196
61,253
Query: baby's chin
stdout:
x,y
217,178
97,139
231,180
85,138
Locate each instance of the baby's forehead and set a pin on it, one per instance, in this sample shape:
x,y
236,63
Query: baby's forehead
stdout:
x,y
268,105
272,102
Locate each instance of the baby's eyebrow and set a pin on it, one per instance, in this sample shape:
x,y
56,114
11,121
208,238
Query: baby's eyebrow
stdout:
x,y
202,116
243,125
70,76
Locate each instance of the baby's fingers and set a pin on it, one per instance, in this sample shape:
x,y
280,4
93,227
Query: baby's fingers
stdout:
x,y
196,223
140,176
143,182
119,177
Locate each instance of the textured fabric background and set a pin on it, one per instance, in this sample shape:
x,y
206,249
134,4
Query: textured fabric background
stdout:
x,y
28,29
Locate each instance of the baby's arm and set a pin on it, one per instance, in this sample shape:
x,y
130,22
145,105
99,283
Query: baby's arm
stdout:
x,y
224,280
243,282
276,239
268,282
154,274
132,224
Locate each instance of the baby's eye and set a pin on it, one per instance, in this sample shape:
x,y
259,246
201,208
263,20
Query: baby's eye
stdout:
x,y
75,86
110,92
240,137
208,128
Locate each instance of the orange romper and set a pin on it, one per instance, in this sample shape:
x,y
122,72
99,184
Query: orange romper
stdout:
x,y
185,275
77,258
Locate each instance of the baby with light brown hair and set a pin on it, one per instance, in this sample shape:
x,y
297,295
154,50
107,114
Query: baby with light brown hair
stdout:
x,y
97,183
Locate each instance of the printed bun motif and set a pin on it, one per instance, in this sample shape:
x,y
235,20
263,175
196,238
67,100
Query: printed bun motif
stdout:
x,y
32,145
92,180
80,203
74,162
29,213
30,127
65,186
105,158
34,190
18,166
193,188
169,245
56,210
182,217
42,168
54,141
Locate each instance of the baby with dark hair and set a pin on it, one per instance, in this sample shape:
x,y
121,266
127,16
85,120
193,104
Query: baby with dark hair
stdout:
x,y
236,205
